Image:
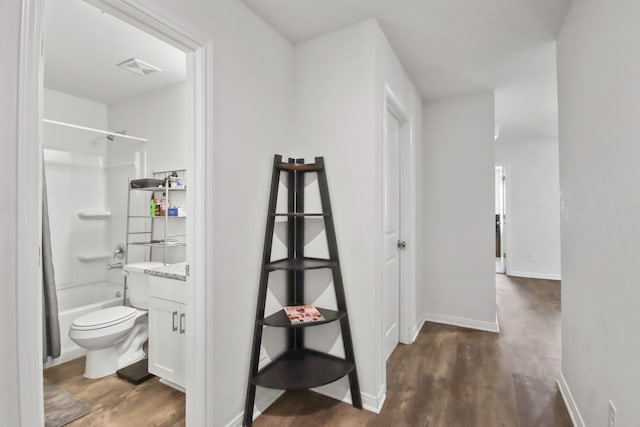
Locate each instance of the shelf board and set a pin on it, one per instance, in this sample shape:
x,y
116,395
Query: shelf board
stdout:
x,y
300,264
279,319
300,214
157,244
302,369
157,189
157,216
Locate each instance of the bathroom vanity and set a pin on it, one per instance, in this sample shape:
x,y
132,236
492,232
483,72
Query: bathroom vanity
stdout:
x,y
167,323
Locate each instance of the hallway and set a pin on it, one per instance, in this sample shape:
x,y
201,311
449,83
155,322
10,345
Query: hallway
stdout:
x,y
460,377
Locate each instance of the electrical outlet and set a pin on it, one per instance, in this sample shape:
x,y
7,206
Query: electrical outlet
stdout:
x,y
612,415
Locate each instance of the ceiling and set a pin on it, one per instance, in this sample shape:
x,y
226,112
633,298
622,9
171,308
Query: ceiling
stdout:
x,y
452,47
84,45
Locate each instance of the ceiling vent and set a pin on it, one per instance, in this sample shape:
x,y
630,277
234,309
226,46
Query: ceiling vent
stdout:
x,y
139,67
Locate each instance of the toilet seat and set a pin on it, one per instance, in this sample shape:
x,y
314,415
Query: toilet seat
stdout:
x,y
104,318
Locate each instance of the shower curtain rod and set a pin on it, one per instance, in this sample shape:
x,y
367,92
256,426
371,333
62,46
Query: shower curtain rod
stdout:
x,y
104,132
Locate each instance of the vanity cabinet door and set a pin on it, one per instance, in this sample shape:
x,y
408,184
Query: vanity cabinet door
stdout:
x,y
166,352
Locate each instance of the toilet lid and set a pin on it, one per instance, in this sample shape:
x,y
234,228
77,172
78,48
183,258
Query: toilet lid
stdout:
x,y
103,318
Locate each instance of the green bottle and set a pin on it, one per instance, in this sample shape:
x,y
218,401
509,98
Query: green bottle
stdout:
x,y
152,206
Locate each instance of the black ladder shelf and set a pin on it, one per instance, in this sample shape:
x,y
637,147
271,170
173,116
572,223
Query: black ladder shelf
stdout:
x,y
299,368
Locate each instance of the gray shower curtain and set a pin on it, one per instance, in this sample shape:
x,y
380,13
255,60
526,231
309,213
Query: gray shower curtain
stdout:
x,y
50,325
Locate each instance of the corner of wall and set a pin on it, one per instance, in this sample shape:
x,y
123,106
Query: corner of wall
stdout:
x,y
463,322
263,402
370,402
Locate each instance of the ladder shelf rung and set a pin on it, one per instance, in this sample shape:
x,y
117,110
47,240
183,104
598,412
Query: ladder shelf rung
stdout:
x,y
299,167
299,264
301,369
279,319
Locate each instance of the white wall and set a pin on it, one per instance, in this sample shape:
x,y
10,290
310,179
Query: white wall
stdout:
x,y
599,98
339,88
9,42
73,165
533,207
253,71
335,118
72,109
161,116
458,211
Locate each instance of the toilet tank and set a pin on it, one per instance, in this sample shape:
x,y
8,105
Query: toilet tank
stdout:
x,y
138,283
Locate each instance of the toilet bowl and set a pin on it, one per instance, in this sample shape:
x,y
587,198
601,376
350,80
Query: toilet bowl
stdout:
x,y
114,337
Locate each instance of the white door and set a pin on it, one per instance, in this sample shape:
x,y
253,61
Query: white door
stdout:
x,y
391,254
165,340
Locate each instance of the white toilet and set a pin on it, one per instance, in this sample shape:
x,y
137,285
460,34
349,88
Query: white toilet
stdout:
x,y
114,337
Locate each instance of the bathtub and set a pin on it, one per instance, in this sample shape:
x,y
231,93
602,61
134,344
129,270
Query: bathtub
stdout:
x,y
74,301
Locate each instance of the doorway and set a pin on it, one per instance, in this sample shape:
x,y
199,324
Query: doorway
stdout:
x,y
500,217
398,220
199,158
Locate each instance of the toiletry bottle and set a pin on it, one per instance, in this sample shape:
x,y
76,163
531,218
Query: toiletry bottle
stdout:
x,y
163,205
152,206
157,207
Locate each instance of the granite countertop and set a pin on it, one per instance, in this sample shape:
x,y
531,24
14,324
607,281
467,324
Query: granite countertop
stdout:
x,y
170,271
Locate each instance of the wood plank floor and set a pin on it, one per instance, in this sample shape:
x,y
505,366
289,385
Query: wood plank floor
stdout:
x,y
450,377
117,403
459,377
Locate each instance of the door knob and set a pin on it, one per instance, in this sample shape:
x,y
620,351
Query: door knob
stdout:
x,y
402,244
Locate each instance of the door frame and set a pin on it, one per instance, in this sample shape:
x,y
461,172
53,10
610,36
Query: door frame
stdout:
x,y
145,16
407,155
506,235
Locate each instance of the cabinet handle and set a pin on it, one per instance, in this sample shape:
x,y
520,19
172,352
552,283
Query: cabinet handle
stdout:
x,y
181,323
173,321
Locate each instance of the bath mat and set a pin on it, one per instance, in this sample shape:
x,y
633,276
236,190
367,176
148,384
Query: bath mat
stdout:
x,y
60,407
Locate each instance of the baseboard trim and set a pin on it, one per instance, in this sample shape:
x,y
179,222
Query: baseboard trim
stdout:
x,y
335,391
264,400
370,402
462,322
570,403
173,385
529,275
418,328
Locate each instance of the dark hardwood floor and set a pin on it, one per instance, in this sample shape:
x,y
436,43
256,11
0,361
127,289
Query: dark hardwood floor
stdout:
x,y
117,403
460,377
450,377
